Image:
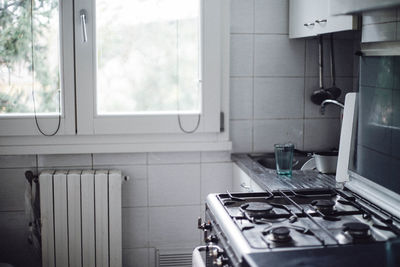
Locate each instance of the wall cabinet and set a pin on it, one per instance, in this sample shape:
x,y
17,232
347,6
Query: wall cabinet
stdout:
x,y
243,183
312,17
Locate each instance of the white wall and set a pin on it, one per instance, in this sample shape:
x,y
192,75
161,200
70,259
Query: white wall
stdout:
x,y
272,78
161,201
382,25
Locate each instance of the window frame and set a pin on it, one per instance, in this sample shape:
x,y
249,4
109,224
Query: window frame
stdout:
x,y
85,55
24,125
78,133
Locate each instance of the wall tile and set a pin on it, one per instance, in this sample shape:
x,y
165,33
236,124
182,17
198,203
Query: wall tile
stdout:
x,y
174,226
321,134
379,16
119,159
215,178
215,156
135,193
20,161
241,98
398,31
271,16
14,247
12,189
174,157
379,32
242,16
135,257
270,132
67,160
135,227
241,136
343,52
277,55
241,55
174,184
278,98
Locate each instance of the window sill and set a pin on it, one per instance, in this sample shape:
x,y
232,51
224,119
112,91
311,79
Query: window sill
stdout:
x,y
109,144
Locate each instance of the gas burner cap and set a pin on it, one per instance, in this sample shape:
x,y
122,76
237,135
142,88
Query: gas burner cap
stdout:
x,y
357,230
257,207
323,204
280,234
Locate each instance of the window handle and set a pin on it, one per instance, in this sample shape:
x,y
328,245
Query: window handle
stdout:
x,y
83,15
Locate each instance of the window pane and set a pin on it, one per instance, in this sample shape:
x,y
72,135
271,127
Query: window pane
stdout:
x,y
148,56
17,61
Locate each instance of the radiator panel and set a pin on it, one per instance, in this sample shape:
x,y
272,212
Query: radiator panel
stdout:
x,y
81,218
88,233
74,218
60,218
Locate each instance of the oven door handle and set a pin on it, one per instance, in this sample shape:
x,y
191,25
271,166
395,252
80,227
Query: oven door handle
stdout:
x,y
197,259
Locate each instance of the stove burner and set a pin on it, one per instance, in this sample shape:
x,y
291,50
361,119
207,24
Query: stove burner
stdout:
x,y
257,210
324,205
357,230
257,207
279,234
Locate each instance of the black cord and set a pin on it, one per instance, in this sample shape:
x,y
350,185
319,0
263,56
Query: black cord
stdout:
x,y
33,86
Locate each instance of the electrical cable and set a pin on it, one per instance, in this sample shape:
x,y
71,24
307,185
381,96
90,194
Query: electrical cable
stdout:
x,y
33,85
177,90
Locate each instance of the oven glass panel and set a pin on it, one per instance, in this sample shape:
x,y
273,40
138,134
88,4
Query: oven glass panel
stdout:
x,y
377,144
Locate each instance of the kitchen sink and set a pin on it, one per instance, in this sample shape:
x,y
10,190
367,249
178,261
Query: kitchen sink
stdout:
x,y
267,160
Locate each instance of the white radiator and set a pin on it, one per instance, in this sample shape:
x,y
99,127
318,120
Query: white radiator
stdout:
x,y
81,218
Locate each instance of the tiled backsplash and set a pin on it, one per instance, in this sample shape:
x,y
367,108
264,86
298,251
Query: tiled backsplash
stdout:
x,y
272,78
382,25
161,201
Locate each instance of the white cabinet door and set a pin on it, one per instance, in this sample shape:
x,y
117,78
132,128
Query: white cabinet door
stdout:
x,y
241,181
312,17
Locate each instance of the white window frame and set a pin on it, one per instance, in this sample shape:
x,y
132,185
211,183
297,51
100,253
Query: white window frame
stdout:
x,y
83,132
24,125
90,123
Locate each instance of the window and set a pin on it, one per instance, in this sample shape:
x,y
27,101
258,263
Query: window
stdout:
x,y
111,67
35,81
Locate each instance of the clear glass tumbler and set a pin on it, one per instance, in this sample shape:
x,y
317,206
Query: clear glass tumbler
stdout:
x,y
284,159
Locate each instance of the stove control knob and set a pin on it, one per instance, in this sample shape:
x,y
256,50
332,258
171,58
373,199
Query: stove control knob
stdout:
x,y
221,261
215,253
211,239
203,226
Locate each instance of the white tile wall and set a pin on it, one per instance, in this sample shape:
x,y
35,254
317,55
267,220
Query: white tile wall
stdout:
x,y
271,16
278,98
277,55
135,227
321,134
215,177
381,25
242,13
270,132
163,189
174,226
241,98
174,185
241,54
280,75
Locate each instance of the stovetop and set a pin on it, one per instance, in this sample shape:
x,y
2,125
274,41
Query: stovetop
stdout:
x,y
287,219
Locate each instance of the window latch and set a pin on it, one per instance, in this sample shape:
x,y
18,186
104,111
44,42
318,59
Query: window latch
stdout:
x,y
83,16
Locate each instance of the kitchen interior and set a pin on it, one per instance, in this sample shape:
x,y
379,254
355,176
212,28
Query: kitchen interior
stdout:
x,y
322,76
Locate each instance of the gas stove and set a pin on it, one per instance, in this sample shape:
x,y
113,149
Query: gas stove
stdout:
x,y
242,229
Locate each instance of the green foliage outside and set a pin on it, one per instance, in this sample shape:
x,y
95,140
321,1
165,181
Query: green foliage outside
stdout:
x,y
16,56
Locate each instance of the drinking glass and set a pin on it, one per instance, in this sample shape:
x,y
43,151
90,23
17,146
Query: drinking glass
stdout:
x,y
284,159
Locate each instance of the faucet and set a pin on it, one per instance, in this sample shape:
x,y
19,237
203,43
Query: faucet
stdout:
x,y
330,101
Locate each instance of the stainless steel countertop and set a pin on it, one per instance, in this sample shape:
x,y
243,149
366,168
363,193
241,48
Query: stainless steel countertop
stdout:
x,y
269,180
